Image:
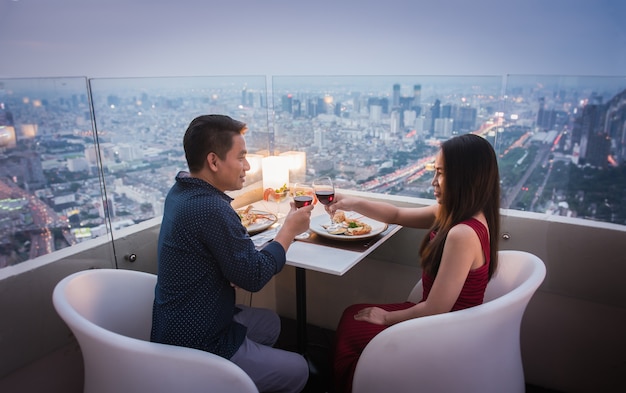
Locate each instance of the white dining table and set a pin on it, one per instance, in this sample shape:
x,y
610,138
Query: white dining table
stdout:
x,y
327,257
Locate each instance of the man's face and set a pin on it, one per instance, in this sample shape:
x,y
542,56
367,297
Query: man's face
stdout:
x,y
232,170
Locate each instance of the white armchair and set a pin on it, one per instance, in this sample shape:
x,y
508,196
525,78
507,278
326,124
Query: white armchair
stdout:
x,y
471,350
110,313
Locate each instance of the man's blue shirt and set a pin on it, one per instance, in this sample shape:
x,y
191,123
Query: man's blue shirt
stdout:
x,y
202,249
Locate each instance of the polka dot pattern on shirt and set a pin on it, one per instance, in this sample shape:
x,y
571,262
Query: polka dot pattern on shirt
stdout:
x,y
202,249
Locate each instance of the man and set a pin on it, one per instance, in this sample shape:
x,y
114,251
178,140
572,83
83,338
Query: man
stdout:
x,y
204,252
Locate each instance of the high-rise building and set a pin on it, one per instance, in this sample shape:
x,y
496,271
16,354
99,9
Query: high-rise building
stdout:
x,y
443,127
396,96
417,98
589,132
435,113
244,97
446,111
296,108
24,168
406,103
375,114
286,103
616,126
337,109
395,125
383,103
465,119
409,118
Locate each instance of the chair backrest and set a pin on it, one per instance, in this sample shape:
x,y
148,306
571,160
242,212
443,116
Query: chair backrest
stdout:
x,y
512,273
471,350
110,313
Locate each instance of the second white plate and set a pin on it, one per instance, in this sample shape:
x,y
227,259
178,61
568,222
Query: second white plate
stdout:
x,y
324,219
262,223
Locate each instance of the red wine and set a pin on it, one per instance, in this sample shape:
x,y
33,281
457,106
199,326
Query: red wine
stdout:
x,y
303,200
325,197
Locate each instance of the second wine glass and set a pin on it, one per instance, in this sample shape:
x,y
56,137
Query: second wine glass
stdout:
x,y
303,195
324,191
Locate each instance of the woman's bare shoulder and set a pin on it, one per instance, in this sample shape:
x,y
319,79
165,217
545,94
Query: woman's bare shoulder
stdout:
x,y
462,232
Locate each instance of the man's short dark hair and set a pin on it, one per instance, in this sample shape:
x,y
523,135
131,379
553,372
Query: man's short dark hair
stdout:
x,y
210,134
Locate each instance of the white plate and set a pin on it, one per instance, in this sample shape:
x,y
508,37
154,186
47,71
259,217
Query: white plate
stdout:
x,y
261,224
324,219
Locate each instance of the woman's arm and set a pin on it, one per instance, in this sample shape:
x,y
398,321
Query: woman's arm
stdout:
x,y
412,217
461,251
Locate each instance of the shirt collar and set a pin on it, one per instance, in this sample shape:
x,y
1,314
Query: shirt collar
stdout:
x,y
185,177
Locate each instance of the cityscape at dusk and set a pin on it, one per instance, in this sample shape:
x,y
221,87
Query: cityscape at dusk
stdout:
x,y
82,158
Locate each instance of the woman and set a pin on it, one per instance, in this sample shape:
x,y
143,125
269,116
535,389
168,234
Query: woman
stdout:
x,y
458,256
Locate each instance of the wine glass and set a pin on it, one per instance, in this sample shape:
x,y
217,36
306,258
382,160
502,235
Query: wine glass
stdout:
x,y
324,191
303,195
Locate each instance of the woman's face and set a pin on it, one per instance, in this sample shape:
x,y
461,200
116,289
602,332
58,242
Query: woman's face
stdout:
x,y
438,182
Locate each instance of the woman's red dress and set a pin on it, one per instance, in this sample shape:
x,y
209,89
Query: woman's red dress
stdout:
x,y
352,336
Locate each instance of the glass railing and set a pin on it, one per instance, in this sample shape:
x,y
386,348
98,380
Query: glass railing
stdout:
x,y
140,124
82,158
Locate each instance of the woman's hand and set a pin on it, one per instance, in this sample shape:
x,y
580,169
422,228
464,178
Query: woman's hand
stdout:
x,y
341,202
374,315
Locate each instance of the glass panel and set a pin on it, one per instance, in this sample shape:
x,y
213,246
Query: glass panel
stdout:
x,y
566,146
379,133
140,123
561,142
50,193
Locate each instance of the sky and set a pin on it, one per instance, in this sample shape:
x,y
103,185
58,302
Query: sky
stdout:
x,y
133,38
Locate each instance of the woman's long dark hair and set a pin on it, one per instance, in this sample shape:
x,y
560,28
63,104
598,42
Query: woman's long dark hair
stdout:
x,y
472,184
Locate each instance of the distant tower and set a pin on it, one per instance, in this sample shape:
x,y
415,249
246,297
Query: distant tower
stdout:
x,y
396,96
540,111
466,119
417,99
337,110
286,103
446,111
384,103
435,113
409,118
375,114
297,108
589,130
395,123
25,168
443,127
244,97
616,126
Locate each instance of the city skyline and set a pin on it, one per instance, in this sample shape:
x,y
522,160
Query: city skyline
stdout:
x,y
377,141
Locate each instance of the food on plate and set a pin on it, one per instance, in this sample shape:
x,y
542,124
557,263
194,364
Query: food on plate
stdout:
x,y
339,217
347,226
249,216
336,229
